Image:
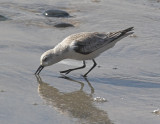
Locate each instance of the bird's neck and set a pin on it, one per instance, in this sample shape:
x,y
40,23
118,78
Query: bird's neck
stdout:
x,y
60,51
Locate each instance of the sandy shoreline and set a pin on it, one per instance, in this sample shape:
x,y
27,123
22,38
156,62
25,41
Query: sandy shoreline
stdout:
x,y
127,76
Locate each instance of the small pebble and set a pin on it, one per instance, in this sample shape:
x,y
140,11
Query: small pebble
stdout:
x,y
99,66
157,112
115,68
55,13
133,35
99,99
2,91
96,0
2,18
63,25
34,104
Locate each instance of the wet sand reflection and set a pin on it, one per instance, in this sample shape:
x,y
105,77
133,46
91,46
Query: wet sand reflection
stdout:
x,y
77,104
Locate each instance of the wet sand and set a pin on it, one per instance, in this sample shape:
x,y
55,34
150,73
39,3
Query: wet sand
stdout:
x,y
127,76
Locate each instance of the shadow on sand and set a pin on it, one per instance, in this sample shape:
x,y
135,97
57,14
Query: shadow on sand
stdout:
x,y
125,82
77,104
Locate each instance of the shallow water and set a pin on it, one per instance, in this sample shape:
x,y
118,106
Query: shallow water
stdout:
x,y
127,76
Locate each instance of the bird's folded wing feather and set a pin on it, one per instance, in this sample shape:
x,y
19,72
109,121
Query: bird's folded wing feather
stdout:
x,y
92,42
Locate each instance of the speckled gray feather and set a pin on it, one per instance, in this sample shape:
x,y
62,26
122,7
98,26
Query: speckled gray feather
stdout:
x,y
89,42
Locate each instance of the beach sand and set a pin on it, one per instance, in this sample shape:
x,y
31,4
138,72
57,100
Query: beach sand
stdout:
x,y
123,89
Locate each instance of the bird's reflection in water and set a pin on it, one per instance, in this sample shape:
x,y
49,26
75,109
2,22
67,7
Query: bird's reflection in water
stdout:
x,y
77,104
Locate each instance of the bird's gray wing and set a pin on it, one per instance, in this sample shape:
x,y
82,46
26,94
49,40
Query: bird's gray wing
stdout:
x,y
94,41
91,43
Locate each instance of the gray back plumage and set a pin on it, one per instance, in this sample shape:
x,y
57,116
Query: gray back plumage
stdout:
x,y
87,42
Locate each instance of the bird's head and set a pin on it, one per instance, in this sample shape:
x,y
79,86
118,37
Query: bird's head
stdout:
x,y
47,58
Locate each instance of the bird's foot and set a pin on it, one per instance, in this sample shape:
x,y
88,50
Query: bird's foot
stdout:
x,y
66,71
84,75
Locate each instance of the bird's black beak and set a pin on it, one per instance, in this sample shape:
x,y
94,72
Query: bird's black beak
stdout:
x,y
39,70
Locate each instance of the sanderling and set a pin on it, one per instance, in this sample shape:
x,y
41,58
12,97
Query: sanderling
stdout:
x,y
81,46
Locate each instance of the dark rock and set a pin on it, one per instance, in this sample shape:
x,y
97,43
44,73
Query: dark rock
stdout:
x,y
99,66
2,18
63,25
56,13
115,68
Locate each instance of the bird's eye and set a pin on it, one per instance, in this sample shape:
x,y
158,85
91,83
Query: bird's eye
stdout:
x,y
45,58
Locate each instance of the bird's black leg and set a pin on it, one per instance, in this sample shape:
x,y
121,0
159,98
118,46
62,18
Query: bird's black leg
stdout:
x,y
69,70
85,75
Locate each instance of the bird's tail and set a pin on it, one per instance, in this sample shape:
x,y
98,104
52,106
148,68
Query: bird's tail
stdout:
x,y
127,30
113,36
124,33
